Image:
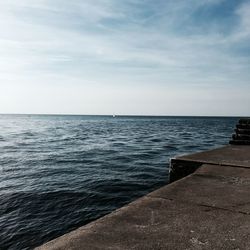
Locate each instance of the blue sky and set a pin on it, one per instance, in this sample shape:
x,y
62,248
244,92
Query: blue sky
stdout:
x,y
141,57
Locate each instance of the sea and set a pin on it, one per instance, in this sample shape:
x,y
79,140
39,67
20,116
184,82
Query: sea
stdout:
x,y
59,172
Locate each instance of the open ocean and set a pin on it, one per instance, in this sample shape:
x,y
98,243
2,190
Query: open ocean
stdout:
x,y
60,172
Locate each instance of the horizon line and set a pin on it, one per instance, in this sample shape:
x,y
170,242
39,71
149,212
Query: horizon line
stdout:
x,y
122,115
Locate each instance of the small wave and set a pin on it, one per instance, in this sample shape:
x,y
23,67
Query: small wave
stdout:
x,y
170,147
28,134
122,158
188,147
156,140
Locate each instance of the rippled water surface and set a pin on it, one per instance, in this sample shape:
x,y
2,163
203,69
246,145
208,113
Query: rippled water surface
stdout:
x,y
60,172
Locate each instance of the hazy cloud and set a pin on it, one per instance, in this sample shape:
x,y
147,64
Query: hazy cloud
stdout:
x,y
161,53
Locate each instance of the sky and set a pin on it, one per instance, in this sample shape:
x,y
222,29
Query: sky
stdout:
x,y
125,57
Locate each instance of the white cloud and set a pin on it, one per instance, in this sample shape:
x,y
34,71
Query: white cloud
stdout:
x,y
244,13
111,44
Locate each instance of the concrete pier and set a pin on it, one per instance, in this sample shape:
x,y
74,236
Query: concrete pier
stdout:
x,y
206,207
242,133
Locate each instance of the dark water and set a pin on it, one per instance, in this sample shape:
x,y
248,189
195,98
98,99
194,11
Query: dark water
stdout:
x,y
60,172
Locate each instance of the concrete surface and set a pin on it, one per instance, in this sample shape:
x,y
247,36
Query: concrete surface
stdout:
x,y
209,209
242,133
232,155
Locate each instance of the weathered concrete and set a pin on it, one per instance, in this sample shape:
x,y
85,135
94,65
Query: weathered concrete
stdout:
x,y
242,133
209,209
213,186
233,155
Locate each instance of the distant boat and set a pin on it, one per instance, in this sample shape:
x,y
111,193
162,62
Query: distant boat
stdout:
x,y
113,116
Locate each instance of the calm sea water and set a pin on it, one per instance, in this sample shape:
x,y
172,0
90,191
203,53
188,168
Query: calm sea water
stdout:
x,y
60,172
